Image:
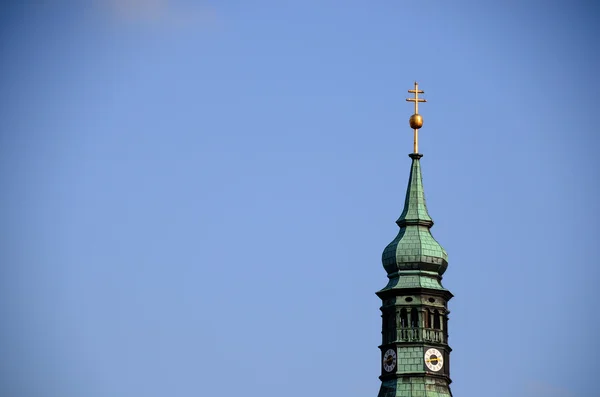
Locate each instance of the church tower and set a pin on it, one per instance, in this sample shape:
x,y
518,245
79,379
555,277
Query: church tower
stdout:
x,y
415,356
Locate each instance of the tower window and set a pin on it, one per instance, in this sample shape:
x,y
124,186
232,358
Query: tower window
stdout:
x,y
436,320
403,318
414,318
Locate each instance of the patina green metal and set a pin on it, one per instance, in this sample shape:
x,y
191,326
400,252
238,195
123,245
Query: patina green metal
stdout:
x,y
414,302
415,209
413,387
414,247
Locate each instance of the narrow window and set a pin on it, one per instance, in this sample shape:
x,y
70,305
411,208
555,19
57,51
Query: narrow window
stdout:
x,y
414,318
436,319
403,318
427,315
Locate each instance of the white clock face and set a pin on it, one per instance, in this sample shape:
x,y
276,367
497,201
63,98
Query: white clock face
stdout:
x,y
434,360
389,360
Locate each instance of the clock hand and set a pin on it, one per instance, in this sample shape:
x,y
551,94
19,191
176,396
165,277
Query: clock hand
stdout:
x,y
434,359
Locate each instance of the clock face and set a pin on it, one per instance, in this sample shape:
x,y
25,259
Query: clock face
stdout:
x,y
434,360
389,360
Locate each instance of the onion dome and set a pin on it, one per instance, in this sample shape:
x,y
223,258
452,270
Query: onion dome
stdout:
x,y
414,248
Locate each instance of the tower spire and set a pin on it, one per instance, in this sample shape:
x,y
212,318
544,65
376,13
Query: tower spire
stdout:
x,y
415,354
416,120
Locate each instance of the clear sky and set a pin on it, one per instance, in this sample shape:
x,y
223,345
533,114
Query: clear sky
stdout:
x,y
196,194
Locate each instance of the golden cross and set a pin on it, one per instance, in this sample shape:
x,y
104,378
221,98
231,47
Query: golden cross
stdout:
x,y
416,121
416,99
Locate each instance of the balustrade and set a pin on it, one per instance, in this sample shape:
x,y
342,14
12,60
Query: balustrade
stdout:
x,y
414,334
433,335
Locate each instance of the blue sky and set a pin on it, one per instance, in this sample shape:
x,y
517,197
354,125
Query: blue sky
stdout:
x,y
197,194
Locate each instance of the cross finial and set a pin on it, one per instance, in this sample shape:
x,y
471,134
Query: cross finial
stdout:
x,y
416,99
416,121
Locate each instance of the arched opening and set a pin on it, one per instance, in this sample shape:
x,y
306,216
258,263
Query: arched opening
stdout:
x,y
436,320
403,318
445,323
414,318
426,322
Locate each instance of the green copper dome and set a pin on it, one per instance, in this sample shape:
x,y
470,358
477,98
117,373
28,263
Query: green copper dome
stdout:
x,y
414,248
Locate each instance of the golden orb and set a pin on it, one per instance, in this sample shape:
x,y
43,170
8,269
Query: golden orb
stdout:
x,y
416,121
